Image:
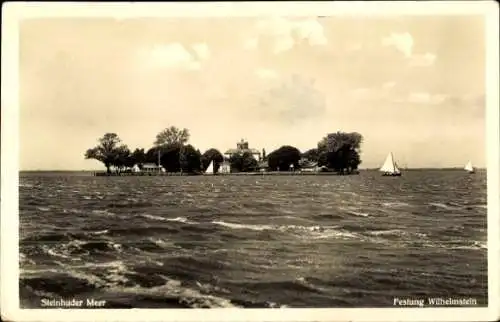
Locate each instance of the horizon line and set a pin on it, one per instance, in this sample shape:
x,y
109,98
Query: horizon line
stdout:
x,y
370,168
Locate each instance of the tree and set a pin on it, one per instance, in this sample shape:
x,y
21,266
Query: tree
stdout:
x,y
190,159
138,157
122,158
172,136
107,150
340,151
323,159
209,156
264,155
354,160
283,157
335,141
169,157
311,155
244,162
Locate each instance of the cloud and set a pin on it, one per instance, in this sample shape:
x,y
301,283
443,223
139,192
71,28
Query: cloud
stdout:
x,y
404,43
426,98
175,56
401,41
285,33
266,73
293,100
424,60
283,44
201,50
311,30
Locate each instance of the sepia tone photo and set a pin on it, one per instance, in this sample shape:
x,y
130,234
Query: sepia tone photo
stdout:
x,y
265,161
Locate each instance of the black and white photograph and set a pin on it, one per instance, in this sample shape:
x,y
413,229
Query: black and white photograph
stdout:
x,y
234,156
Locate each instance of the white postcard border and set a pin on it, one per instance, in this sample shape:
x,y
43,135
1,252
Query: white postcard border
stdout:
x,y
9,291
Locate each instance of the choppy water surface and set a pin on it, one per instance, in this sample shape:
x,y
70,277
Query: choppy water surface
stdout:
x,y
253,241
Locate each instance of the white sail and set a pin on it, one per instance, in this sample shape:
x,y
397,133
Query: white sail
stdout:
x,y
210,169
469,167
389,165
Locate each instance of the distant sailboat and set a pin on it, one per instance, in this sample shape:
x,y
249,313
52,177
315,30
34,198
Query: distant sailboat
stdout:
x,y
469,168
390,168
210,169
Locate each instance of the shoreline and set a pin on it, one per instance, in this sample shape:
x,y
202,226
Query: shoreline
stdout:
x,y
103,172
178,174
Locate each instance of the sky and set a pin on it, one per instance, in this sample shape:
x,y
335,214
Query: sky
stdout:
x,y
414,86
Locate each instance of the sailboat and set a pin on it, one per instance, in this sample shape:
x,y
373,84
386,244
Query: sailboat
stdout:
x,y
469,168
210,169
390,168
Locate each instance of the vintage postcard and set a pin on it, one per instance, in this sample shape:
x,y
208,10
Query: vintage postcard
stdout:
x,y
256,161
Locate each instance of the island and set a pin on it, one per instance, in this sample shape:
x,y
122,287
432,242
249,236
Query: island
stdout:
x,y
171,154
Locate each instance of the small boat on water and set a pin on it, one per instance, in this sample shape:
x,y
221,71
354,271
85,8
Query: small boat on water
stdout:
x,y
390,167
210,169
469,168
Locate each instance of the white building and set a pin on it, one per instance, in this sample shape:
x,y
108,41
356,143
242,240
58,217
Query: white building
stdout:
x,y
151,167
242,147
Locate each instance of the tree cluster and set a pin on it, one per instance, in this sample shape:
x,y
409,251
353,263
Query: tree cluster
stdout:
x,y
284,158
244,162
170,150
339,152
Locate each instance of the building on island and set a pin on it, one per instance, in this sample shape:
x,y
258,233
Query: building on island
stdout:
x,y
308,166
151,167
242,147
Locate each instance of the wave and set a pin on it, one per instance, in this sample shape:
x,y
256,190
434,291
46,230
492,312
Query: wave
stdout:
x,y
161,242
100,232
390,232
72,211
360,214
56,284
395,204
54,253
176,293
176,219
52,237
99,246
243,226
459,244
317,232
442,206
138,287
180,219
103,212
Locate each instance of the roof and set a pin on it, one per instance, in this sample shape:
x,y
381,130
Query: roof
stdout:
x,y
150,165
233,151
308,164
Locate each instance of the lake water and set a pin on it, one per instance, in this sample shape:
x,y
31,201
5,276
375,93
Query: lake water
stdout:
x,y
253,241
